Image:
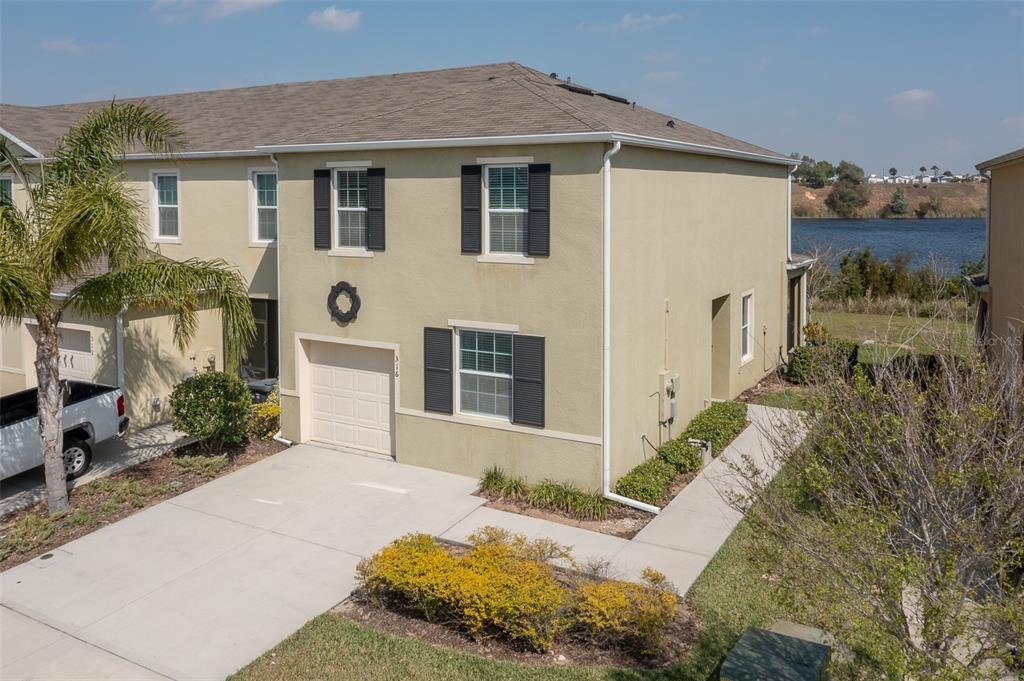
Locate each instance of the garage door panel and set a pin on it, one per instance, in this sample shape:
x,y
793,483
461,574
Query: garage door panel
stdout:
x,y
350,400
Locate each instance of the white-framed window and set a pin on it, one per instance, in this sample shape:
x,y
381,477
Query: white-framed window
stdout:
x,y
746,327
165,205
506,202
264,205
350,208
484,372
6,188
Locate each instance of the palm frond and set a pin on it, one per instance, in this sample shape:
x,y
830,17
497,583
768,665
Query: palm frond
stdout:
x,y
15,232
22,292
99,142
183,289
99,218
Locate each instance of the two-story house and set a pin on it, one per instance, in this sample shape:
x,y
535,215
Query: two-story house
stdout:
x,y
1001,288
489,265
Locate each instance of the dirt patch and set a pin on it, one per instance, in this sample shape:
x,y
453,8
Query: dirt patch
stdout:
x,y
966,200
679,639
107,500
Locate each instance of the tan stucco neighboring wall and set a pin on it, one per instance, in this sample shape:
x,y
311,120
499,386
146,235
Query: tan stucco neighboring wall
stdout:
x,y
154,364
1006,252
689,229
214,202
423,279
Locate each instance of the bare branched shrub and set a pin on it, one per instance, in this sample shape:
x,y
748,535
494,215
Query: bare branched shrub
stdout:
x,y
898,522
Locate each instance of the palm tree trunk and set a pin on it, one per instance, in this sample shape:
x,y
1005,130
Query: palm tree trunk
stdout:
x,y
51,408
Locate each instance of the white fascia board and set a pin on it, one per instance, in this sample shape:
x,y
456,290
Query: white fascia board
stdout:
x,y
181,155
545,138
30,149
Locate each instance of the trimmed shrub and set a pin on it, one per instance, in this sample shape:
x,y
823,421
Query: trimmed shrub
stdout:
x,y
813,363
627,613
683,456
265,421
647,482
500,586
213,407
718,424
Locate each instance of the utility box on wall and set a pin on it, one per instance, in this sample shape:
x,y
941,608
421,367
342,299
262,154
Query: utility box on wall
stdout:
x,y
668,384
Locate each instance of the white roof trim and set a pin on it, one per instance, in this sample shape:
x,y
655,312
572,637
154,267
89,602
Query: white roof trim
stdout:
x,y
543,138
21,144
183,155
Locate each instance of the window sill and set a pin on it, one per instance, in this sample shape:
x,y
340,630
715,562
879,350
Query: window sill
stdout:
x,y
166,240
746,359
505,259
350,253
263,244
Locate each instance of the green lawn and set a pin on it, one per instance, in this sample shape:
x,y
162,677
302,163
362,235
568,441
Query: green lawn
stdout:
x,y
729,596
920,333
786,398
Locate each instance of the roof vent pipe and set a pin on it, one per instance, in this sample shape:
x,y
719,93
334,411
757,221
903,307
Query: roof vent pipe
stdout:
x,y
606,350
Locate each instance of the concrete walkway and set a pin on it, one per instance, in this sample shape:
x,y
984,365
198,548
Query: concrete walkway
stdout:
x,y
683,538
199,585
29,488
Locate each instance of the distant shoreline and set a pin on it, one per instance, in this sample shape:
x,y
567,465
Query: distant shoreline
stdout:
x,y
956,201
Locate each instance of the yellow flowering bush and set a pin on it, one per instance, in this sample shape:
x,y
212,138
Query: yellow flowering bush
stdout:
x,y
506,586
633,613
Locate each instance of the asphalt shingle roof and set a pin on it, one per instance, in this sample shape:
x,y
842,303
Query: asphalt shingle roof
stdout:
x,y
488,100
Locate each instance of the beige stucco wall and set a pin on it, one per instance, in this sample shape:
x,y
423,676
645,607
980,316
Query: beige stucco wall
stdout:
x,y
422,280
689,229
214,215
1006,251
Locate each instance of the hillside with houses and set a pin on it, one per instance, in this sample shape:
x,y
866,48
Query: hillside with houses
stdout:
x,y
953,200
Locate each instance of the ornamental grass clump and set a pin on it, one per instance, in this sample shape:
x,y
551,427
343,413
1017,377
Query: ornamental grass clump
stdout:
x,y
548,494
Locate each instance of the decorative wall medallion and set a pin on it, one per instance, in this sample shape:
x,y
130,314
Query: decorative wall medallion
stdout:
x,y
349,291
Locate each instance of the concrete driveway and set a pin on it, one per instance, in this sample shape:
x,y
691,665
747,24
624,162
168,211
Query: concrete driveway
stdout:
x,y
199,585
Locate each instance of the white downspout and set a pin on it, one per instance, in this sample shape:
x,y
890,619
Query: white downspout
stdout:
x,y
277,276
119,345
606,350
789,214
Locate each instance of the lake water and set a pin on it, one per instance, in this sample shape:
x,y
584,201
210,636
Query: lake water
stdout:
x,y
950,241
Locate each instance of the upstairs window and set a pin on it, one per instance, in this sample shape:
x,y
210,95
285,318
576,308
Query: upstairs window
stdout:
x,y
350,228
485,373
507,201
166,188
265,187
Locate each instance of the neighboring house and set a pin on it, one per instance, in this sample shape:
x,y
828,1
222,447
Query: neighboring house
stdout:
x,y
1001,288
540,268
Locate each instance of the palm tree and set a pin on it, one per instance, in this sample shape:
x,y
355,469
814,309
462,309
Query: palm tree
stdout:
x,y
79,211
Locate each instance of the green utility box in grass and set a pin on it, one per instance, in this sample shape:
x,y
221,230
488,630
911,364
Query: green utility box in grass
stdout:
x,y
762,655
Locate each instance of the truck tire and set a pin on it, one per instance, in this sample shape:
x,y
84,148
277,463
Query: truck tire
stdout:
x,y
77,457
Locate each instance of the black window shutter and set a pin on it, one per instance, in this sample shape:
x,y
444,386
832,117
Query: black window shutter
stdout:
x,y
538,220
375,209
437,370
528,380
471,199
322,208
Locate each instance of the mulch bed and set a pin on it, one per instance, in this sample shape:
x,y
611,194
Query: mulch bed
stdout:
x,y
622,521
93,506
771,383
680,637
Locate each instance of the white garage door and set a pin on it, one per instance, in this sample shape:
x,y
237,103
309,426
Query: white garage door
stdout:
x,y
351,390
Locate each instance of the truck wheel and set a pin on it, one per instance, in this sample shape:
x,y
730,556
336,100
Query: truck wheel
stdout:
x,y
77,457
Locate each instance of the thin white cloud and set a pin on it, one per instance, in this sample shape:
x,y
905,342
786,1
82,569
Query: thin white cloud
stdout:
x,y
180,11
659,56
68,46
334,19
223,8
1013,122
913,96
817,31
631,22
663,76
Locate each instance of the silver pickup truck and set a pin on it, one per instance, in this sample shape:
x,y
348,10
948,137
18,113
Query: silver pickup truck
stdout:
x,y
92,413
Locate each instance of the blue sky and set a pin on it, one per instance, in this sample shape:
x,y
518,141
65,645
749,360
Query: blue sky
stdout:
x,y
879,83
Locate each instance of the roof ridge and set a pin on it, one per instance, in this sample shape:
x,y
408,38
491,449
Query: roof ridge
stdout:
x,y
269,85
562,106
482,86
